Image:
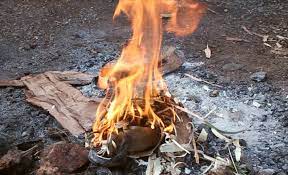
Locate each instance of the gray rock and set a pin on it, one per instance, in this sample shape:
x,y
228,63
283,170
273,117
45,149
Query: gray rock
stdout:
x,y
281,173
232,66
258,76
266,172
214,93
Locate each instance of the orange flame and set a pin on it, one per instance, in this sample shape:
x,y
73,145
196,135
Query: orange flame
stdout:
x,y
136,73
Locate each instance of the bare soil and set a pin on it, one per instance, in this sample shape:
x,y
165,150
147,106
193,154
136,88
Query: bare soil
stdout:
x,y
38,35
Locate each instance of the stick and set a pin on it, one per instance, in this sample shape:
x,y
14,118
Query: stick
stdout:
x,y
200,80
196,155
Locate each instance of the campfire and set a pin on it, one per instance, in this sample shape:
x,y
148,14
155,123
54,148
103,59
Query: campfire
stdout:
x,y
138,105
138,117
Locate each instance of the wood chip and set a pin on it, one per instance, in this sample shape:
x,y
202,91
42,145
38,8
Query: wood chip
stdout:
x,y
202,136
154,166
207,52
237,150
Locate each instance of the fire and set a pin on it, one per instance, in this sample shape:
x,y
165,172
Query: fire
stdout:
x,y
136,75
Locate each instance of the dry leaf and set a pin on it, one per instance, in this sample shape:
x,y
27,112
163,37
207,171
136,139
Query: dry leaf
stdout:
x,y
207,52
154,165
237,150
266,44
278,45
202,136
219,135
172,147
265,38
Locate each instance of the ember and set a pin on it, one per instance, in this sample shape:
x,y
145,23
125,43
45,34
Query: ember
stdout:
x,y
134,84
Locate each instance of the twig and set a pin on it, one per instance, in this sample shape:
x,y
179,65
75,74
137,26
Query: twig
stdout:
x,y
246,30
196,155
180,146
210,112
210,10
204,81
264,37
190,112
236,39
232,160
208,168
206,122
178,163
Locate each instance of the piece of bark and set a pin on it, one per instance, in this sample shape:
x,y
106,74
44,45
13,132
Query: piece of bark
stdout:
x,y
68,105
73,78
62,158
14,83
69,77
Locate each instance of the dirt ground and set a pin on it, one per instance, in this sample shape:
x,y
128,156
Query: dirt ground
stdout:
x,y
38,35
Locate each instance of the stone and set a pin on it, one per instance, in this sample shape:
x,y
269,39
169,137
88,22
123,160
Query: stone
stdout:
x,y
266,172
187,171
258,76
63,157
214,93
256,104
232,66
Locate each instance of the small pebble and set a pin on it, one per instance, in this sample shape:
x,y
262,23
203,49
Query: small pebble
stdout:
x,y
206,88
266,172
214,93
258,76
256,104
25,133
187,171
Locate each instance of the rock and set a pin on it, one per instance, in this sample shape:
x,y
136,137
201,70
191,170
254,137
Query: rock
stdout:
x,y
62,158
266,172
285,167
281,173
214,93
34,113
187,171
206,88
188,65
256,104
24,134
232,66
258,76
